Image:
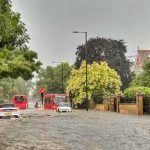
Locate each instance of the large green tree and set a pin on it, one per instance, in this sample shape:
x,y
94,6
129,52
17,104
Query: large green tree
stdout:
x,y
109,50
15,57
102,80
54,79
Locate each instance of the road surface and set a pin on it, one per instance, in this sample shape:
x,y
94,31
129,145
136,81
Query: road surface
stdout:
x,y
78,130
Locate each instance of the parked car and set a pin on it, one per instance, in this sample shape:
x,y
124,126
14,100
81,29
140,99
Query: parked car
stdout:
x,y
9,111
63,107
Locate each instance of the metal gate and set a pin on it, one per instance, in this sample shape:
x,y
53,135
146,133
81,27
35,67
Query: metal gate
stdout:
x,y
113,105
146,105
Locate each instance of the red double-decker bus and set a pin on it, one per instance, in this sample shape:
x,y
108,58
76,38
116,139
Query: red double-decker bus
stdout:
x,y
19,101
51,100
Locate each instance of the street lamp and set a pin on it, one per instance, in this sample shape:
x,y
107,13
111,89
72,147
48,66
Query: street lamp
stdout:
x,y
62,74
86,73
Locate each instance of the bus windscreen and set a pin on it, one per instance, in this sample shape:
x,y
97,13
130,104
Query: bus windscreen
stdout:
x,y
19,98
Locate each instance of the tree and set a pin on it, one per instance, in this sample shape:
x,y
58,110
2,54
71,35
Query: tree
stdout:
x,y
13,64
146,74
102,80
51,78
13,31
16,58
11,87
140,83
143,79
109,50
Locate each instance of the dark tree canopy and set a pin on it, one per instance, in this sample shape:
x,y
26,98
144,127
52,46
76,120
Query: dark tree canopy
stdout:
x,y
109,50
16,58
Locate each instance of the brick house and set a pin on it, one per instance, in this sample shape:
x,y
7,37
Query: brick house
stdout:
x,y
141,57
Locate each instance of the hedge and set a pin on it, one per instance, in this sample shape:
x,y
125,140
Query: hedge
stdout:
x,y
132,91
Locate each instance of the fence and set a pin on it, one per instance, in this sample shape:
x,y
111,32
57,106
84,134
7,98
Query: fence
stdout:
x,y
146,105
120,104
99,104
129,100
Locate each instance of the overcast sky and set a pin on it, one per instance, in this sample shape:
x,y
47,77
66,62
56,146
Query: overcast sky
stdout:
x,y
50,24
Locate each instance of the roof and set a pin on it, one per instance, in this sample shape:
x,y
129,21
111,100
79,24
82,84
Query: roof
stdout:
x,y
142,55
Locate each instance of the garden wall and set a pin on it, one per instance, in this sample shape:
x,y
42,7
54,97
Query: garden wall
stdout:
x,y
128,108
121,105
99,107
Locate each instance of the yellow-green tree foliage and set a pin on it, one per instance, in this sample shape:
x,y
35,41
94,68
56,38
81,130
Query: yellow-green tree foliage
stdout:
x,y
102,80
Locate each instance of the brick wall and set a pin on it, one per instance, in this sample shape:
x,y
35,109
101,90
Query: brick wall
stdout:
x,y
99,107
128,108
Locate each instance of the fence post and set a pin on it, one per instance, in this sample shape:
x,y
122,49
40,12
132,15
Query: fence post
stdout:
x,y
111,103
105,103
91,104
118,102
139,103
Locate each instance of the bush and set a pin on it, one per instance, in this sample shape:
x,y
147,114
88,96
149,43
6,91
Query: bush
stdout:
x,y
132,91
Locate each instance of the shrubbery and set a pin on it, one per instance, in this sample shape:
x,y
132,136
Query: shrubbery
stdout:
x,y
131,91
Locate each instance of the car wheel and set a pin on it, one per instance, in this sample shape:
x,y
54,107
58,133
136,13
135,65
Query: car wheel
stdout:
x,y
16,116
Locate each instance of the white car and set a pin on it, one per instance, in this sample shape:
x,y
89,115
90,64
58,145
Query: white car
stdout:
x,y
9,111
64,107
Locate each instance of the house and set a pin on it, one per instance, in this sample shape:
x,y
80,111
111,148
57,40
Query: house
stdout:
x,y
141,57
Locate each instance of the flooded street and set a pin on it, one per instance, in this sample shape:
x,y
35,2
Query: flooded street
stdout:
x,y
78,130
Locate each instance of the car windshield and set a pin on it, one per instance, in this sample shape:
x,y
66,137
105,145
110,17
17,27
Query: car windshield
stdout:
x,y
6,105
59,99
64,104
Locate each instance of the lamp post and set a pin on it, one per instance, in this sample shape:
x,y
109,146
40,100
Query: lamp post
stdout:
x,y
62,74
86,69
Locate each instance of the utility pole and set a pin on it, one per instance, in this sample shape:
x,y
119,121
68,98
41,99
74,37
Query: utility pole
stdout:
x,y
86,72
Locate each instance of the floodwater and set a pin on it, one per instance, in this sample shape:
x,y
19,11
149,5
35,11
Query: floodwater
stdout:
x,y
78,130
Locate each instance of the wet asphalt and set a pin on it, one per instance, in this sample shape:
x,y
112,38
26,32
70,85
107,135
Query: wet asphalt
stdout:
x,y
78,130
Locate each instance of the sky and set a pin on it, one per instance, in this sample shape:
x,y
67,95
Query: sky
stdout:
x,y
50,24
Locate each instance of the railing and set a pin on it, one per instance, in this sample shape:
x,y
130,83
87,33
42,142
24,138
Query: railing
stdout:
x,y
124,100
99,101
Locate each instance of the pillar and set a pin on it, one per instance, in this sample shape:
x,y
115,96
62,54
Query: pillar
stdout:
x,y
139,103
